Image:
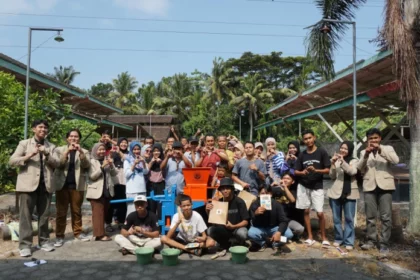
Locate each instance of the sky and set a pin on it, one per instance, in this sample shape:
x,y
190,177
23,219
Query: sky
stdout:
x,y
160,38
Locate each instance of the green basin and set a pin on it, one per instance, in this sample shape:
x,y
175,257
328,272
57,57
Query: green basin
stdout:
x,y
144,255
170,256
238,254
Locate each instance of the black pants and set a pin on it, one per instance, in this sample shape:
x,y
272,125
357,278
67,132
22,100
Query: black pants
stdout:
x,y
118,210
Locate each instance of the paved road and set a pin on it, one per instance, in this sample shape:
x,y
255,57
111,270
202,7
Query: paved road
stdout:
x,y
101,260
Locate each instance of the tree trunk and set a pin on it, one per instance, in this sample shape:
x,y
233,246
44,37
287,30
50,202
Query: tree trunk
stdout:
x,y
414,107
251,125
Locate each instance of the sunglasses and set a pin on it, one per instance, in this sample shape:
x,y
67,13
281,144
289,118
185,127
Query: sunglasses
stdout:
x,y
148,151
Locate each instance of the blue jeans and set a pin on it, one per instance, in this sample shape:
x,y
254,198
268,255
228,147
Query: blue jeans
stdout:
x,y
259,235
349,206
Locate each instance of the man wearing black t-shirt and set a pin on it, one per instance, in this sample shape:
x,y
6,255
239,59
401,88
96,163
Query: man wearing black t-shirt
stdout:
x,y
311,166
140,229
237,220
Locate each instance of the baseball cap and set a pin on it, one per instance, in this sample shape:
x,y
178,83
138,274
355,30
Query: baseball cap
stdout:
x,y
140,198
259,144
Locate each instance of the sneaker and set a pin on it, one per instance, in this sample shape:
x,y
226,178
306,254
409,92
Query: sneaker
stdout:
x,y
83,237
25,252
383,250
367,246
47,247
349,248
336,244
59,242
262,248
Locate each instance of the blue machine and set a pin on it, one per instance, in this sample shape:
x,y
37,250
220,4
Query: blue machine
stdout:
x,y
169,208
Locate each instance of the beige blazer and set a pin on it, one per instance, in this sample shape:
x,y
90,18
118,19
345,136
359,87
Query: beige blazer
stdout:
x,y
30,170
96,180
337,171
377,169
81,168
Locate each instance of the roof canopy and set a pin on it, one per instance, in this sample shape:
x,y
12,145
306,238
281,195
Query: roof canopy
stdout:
x,y
79,100
376,86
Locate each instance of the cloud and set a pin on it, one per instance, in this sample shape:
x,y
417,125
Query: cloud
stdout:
x,y
19,6
152,7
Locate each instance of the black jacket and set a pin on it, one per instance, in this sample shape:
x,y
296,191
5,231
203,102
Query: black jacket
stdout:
x,y
270,218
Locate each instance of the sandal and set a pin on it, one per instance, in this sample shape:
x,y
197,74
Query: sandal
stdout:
x,y
104,238
326,244
309,242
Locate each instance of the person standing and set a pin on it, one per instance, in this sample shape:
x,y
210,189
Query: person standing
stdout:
x,y
222,145
293,151
378,185
70,184
310,167
36,161
173,163
274,161
100,189
135,168
249,172
118,210
343,194
193,155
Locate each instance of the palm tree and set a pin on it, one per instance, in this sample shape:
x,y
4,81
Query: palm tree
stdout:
x,y
401,33
123,96
252,95
219,81
145,95
174,96
64,75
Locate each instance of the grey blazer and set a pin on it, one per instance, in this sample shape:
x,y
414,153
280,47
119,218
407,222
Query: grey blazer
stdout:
x,y
377,169
96,180
337,171
30,170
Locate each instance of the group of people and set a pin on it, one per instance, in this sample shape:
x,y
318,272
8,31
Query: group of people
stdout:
x,y
126,169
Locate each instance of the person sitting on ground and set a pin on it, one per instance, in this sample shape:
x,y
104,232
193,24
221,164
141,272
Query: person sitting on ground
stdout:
x,y
249,172
237,220
191,229
311,166
286,196
265,223
140,229
173,163
343,194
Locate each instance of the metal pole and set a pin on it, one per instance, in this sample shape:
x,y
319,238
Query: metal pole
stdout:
x,y
354,92
28,67
240,128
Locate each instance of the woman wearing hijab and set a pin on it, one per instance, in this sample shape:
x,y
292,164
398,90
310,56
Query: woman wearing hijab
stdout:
x,y
118,210
135,168
293,151
146,152
100,189
343,194
238,151
156,182
274,161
